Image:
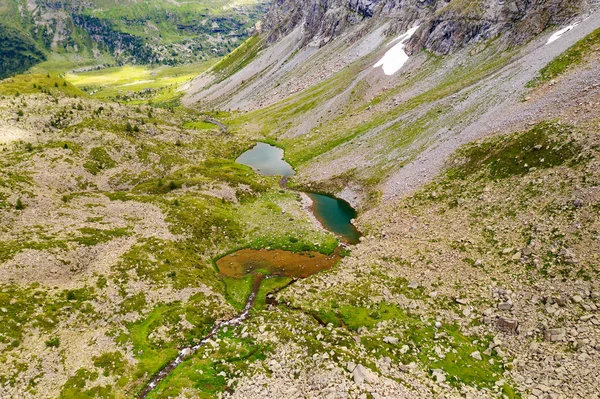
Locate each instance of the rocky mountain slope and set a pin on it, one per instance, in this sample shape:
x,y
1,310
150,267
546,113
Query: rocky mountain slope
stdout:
x,y
447,25
347,125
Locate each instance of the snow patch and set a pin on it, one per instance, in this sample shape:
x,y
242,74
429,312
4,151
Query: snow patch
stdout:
x,y
395,58
558,34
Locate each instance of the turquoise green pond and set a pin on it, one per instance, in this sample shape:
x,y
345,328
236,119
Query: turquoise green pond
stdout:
x,y
333,213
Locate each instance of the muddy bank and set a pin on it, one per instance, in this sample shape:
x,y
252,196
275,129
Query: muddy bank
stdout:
x,y
275,262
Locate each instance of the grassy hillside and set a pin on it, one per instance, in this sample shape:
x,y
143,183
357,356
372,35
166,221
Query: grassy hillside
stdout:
x,y
76,34
18,51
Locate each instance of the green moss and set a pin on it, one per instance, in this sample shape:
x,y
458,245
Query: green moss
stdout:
x,y
267,286
179,264
53,342
153,352
209,370
200,125
422,338
75,387
92,236
9,249
113,363
237,290
152,357
26,308
544,146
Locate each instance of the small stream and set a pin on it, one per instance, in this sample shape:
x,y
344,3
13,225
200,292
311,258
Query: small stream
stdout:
x,y
334,214
190,350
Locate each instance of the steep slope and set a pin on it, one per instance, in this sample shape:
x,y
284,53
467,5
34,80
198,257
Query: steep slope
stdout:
x,y
18,51
349,126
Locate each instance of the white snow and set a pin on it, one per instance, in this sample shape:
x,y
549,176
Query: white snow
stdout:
x,y
558,34
396,57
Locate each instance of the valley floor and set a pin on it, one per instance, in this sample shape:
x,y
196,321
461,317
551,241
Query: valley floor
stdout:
x,y
480,281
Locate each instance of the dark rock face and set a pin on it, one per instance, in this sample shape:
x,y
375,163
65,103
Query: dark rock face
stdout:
x,y
320,20
509,326
446,25
453,27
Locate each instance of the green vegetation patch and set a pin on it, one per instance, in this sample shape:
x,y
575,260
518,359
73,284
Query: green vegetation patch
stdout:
x,y
210,369
92,236
99,160
138,84
208,172
200,125
573,56
75,387
113,363
237,290
157,338
544,146
18,51
23,308
238,58
37,83
162,262
445,348
8,249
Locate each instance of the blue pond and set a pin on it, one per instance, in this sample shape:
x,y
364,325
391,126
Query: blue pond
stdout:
x,y
266,160
333,213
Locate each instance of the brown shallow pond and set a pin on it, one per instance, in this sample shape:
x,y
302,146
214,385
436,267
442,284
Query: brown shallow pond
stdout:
x,y
275,262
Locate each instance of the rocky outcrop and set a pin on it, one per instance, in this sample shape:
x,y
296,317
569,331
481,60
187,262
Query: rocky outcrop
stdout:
x,y
445,26
458,23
